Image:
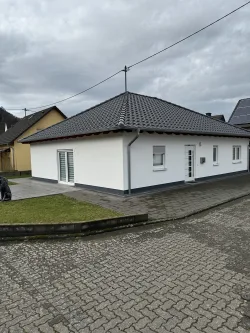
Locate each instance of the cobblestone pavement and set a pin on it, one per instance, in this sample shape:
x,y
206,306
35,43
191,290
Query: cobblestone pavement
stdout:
x,y
172,203
187,276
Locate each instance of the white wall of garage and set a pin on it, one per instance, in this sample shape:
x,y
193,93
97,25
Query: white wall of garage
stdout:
x,y
144,175
98,160
101,160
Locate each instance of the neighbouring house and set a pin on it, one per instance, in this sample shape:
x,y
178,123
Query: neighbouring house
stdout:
x,y
15,156
6,120
216,116
219,117
133,143
241,114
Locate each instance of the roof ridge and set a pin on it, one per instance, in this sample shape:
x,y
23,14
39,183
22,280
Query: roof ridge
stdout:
x,y
123,110
40,111
183,107
93,107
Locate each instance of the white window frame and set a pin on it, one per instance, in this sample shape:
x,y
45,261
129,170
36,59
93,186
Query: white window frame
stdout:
x,y
66,162
234,154
217,155
160,167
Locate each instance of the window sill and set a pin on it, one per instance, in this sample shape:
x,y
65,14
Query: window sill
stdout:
x,y
236,162
215,164
160,169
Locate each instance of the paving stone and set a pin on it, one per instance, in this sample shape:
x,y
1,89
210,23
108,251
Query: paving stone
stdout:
x,y
14,329
142,323
174,277
172,203
112,324
45,328
193,330
60,328
225,330
232,322
30,329
178,330
187,323
156,324
98,323
127,323
216,323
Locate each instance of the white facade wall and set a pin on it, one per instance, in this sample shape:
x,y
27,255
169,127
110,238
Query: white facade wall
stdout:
x,y
142,171
98,160
101,160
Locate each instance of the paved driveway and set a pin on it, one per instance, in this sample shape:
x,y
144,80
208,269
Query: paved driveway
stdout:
x,y
168,204
173,203
29,188
180,277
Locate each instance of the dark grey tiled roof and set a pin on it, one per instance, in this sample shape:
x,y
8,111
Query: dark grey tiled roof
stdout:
x,y
23,124
241,113
134,111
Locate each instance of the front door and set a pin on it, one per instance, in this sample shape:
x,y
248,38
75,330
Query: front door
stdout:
x,y
66,167
189,163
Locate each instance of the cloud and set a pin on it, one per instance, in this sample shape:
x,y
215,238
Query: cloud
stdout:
x,y
53,49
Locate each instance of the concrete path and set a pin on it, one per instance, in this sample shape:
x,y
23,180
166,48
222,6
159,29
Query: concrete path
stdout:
x,y
185,277
29,188
173,203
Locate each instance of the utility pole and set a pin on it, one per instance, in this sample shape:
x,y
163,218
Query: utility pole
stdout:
x,y
125,70
25,112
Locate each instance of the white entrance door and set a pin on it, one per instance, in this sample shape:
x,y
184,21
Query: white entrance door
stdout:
x,y
66,167
189,163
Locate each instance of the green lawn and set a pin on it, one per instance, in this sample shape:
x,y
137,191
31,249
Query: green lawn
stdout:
x,y
12,183
57,208
23,176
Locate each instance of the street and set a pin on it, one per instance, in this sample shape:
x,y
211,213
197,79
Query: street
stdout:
x,y
182,276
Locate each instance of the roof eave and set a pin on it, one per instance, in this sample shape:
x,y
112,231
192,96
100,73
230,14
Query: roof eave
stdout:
x,y
196,133
128,128
27,141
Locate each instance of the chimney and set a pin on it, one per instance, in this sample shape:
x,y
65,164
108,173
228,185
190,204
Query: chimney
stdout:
x,y
209,114
5,127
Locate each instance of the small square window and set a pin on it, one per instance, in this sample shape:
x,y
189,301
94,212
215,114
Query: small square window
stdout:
x,y
159,157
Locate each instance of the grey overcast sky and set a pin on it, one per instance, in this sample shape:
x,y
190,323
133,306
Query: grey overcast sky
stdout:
x,y
50,49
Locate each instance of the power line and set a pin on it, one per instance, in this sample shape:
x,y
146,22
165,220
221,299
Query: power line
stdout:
x,y
65,99
23,109
183,39
137,63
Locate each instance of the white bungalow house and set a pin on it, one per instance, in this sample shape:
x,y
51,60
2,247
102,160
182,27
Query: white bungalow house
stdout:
x,y
133,143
